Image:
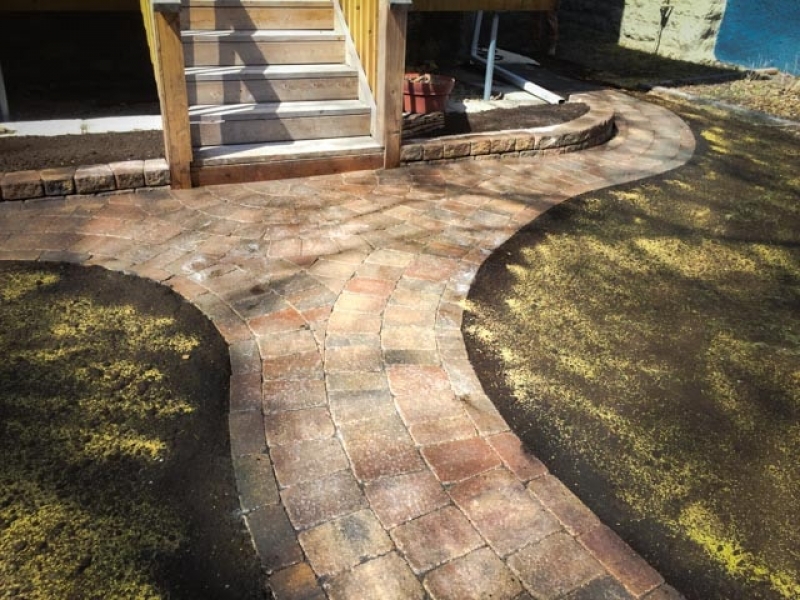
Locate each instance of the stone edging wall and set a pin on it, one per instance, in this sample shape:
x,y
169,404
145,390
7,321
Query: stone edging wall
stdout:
x,y
90,179
592,129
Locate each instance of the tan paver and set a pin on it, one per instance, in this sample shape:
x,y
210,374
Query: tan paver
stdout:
x,y
358,426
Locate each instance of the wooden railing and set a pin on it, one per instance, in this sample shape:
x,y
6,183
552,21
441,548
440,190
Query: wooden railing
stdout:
x,y
362,20
378,31
162,23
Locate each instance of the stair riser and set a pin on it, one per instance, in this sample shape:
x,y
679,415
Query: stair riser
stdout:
x,y
274,130
200,54
277,90
226,19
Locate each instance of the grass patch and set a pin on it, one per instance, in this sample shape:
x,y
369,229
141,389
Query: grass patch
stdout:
x,y
113,396
647,341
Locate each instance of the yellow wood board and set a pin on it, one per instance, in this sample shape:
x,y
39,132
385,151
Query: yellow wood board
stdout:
x,y
471,5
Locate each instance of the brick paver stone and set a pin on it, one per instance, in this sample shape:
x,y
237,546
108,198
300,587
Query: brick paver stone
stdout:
x,y
620,559
523,464
477,576
606,588
436,538
314,502
274,537
460,459
255,481
380,447
503,511
298,425
309,460
345,542
555,566
297,582
396,500
387,577
568,509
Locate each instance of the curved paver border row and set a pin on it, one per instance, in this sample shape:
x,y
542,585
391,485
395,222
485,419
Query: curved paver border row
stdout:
x,y
591,129
369,461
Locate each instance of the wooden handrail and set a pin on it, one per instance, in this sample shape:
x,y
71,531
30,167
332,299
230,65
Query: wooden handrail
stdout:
x,y
162,22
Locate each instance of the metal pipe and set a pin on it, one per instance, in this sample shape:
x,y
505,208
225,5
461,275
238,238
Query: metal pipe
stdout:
x,y
487,82
521,82
5,113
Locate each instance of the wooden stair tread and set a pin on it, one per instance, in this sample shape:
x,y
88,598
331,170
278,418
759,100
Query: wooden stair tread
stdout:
x,y
275,110
261,35
268,72
283,151
256,3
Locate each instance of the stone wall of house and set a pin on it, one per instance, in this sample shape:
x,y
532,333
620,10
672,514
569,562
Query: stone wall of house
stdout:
x,y
688,30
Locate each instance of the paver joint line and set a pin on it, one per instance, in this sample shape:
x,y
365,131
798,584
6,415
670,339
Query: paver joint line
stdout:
x,y
368,458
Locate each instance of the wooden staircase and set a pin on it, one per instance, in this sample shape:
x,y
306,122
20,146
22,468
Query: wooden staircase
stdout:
x,y
273,91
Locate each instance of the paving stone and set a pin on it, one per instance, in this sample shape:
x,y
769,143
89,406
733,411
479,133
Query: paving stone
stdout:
x,y
426,433
460,459
477,576
566,506
422,407
387,577
351,407
603,588
301,365
436,538
247,433
255,481
245,391
314,502
288,319
411,380
296,394
629,568
21,185
502,510
298,425
664,592
92,179
380,447
523,464
274,537
345,542
156,172
353,358
555,566
58,182
398,499
297,582
299,342
307,461
128,174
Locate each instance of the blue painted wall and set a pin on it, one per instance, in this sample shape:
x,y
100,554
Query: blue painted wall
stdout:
x,y
761,33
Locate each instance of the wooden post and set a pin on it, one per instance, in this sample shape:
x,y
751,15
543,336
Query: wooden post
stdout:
x,y
171,80
392,18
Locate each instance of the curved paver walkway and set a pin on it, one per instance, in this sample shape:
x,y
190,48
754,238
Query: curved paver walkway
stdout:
x,y
370,462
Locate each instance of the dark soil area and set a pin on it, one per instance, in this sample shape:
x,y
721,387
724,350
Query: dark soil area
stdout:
x,y
522,117
642,341
116,478
44,152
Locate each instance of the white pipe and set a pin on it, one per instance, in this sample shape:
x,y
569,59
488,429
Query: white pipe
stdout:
x,y
521,82
5,113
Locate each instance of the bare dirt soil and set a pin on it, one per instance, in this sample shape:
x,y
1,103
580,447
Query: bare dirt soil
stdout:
x,y
642,341
116,479
45,152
